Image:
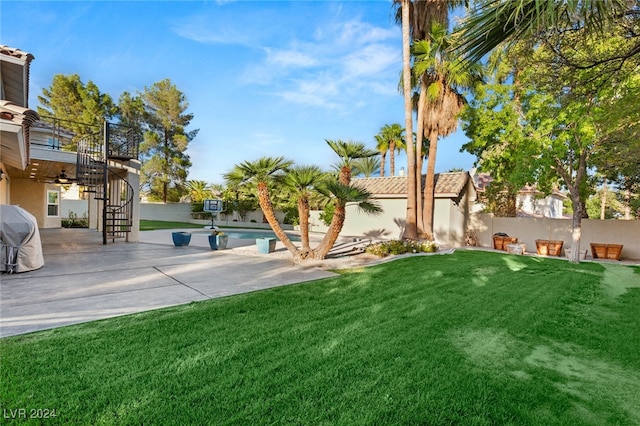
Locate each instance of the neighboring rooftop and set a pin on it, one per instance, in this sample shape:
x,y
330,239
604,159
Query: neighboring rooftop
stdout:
x,y
448,185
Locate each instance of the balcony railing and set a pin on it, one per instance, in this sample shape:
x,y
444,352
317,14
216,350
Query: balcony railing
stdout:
x,y
65,135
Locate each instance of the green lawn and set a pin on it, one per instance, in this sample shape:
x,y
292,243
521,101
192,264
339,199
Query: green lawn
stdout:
x,y
473,338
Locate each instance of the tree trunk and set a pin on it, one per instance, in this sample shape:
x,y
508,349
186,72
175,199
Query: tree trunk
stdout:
x,y
576,224
429,186
303,212
329,239
383,156
603,201
392,158
267,209
419,155
410,230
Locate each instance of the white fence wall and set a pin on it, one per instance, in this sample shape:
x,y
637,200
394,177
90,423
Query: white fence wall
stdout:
x,y
79,207
181,212
528,230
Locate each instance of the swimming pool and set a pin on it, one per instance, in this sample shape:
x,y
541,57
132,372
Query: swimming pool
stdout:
x,y
249,235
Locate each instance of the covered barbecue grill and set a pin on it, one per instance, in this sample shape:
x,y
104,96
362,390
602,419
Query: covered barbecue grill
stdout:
x,y
20,245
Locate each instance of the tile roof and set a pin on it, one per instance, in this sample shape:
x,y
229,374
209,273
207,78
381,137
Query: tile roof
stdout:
x,y
15,53
448,185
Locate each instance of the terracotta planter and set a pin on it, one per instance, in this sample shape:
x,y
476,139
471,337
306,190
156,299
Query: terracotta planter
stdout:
x,y
606,251
549,247
500,242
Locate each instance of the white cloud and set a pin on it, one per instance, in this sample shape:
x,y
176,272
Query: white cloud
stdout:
x,y
289,58
334,67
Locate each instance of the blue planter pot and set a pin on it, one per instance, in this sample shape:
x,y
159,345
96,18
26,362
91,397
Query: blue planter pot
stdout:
x,y
181,238
266,245
213,242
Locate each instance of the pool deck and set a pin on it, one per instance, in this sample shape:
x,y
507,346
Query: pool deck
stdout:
x,y
83,280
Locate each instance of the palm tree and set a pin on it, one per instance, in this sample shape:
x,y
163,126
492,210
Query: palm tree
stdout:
x,y
496,22
382,145
367,166
410,230
348,151
198,190
263,174
342,195
442,79
393,136
301,182
342,192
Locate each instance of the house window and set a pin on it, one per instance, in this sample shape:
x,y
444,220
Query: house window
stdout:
x,y
53,203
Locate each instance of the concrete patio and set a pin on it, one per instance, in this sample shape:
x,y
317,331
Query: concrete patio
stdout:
x,y
83,280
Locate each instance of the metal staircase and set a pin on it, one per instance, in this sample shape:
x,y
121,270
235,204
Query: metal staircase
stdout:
x,y
100,169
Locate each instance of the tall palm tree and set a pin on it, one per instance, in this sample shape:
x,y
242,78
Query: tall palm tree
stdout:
x,y
263,174
417,18
382,145
442,80
410,231
301,182
393,134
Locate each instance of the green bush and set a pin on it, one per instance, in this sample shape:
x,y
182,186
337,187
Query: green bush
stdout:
x,y
326,216
395,247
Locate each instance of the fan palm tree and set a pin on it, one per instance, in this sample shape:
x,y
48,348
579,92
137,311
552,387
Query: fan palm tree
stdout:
x,y
342,192
348,151
342,195
301,182
494,22
263,174
198,190
416,18
442,80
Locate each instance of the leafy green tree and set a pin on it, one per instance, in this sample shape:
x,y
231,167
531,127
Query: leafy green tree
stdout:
x,y
165,162
82,107
554,124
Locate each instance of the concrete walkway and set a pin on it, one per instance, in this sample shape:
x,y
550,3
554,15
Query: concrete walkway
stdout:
x,y
83,280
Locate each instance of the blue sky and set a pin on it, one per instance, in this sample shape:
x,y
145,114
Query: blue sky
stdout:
x,y
261,77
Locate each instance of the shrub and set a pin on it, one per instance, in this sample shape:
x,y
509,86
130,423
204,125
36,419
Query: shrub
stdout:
x,y
395,247
73,221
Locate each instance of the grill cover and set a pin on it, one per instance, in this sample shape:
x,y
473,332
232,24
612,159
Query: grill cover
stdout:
x,y
20,248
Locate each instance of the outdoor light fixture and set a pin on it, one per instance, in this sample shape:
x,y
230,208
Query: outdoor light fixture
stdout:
x,y
62,178
1,174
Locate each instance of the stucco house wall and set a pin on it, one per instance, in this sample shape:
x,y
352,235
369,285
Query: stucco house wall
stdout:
x,y
32,196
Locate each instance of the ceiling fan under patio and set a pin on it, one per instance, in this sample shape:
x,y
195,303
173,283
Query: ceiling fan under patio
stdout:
x,y
61,179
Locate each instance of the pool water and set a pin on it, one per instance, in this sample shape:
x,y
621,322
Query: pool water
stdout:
x,y
246,235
